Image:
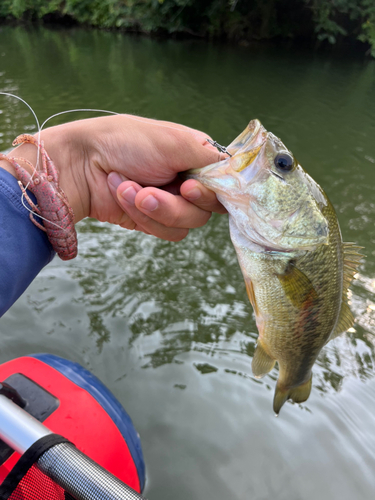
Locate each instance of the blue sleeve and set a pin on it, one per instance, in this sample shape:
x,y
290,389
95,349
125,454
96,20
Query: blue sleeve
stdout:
x,y
24,248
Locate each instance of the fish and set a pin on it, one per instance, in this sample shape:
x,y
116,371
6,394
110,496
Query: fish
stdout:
x,y
296,267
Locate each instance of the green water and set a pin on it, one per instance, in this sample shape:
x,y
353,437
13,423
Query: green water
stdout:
x,y
168,327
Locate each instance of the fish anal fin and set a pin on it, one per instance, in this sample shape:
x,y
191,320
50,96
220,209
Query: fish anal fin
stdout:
x,y
296,394
297,286
262,362
345,321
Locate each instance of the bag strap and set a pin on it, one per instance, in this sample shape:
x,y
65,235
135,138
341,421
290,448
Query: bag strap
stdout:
x,y
26,461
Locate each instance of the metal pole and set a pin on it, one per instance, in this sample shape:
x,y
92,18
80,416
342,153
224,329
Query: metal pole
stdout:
x,y
80,476
18,429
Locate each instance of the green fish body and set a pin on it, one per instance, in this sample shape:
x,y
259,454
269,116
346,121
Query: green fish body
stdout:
x,y
296,268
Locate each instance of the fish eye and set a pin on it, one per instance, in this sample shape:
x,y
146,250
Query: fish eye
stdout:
x,y
284,162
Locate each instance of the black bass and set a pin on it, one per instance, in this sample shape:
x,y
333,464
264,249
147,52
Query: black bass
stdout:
x,y
297,269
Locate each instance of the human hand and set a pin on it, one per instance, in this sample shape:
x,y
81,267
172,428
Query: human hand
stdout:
x,y
170,211
143,153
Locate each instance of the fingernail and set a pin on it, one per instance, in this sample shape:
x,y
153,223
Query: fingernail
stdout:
x,y
129,195
116,179
194,194
150,203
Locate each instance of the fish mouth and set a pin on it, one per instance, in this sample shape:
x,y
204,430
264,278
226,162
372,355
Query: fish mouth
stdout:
x,y
244,149
247,138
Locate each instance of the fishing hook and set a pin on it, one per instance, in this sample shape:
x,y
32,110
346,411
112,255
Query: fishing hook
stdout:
x,y
222,149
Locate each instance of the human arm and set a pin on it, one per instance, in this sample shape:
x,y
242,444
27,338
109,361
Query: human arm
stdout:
x,y
147,152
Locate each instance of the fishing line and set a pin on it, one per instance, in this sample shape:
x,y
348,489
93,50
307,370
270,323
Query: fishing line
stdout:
x,y
37,154
78,110
132,117
40,128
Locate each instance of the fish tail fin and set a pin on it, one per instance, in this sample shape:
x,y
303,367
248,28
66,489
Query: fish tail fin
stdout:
x,y
281,396
302,392
297,394
262,363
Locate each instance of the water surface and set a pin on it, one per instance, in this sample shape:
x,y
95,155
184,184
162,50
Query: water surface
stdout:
x,y
168,327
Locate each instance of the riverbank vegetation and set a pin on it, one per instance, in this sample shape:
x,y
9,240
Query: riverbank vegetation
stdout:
x,y
320,21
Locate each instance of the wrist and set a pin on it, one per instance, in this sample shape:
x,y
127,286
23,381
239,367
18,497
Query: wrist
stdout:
x,y
64,145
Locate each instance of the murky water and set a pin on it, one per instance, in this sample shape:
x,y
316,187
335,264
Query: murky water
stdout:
x,y
168,327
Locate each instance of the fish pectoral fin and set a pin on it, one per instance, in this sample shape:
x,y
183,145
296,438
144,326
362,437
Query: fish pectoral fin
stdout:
x,y
262,363
345,321
297,395
251,294
297,286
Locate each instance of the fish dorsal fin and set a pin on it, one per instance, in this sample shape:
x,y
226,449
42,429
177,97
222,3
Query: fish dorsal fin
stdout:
x,y
345,321
262,363
352,258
